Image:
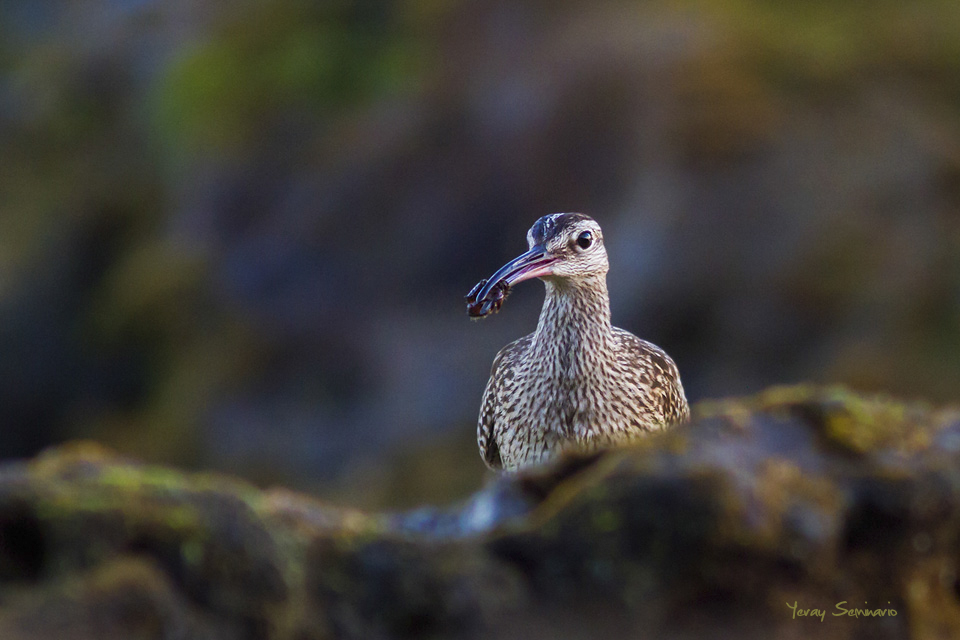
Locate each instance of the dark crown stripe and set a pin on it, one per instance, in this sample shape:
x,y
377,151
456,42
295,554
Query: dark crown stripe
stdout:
x,y
553,225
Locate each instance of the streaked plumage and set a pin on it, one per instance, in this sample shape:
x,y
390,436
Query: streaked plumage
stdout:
x,y
576,382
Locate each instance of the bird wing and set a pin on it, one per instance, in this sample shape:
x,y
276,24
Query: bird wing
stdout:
x,y
655,370
486,440
487,430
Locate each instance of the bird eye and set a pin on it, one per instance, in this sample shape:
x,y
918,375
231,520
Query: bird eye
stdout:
x,y
584,240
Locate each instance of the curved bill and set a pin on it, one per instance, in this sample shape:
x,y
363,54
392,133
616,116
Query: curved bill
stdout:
x,y
532,264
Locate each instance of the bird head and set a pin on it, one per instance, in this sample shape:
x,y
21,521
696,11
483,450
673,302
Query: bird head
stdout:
x,y
571,245
564,247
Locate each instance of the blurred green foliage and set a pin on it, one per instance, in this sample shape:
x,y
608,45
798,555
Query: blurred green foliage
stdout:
x,y
833,43
312,59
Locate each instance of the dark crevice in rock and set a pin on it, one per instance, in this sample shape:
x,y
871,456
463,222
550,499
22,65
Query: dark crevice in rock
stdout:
x,y
22,543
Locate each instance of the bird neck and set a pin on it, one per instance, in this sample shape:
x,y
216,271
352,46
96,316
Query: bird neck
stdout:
x,y
575,319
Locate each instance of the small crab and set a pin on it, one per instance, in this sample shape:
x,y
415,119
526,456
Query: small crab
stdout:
x,y
488,304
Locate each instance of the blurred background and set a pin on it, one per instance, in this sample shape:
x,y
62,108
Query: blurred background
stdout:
x,y
237,235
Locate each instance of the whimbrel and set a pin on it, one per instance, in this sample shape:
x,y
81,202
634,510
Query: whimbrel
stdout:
x,y
576,382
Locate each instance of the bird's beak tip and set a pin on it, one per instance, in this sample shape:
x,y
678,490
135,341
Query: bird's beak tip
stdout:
x,y
488,295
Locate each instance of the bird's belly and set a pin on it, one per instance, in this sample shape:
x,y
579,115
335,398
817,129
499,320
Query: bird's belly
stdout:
x,y
545,419
518,452
530,428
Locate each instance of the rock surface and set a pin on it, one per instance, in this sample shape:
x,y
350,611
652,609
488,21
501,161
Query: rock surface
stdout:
x,y
800,495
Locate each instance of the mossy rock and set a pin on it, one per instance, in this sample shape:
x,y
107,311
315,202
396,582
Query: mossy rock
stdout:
x,y
799,495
